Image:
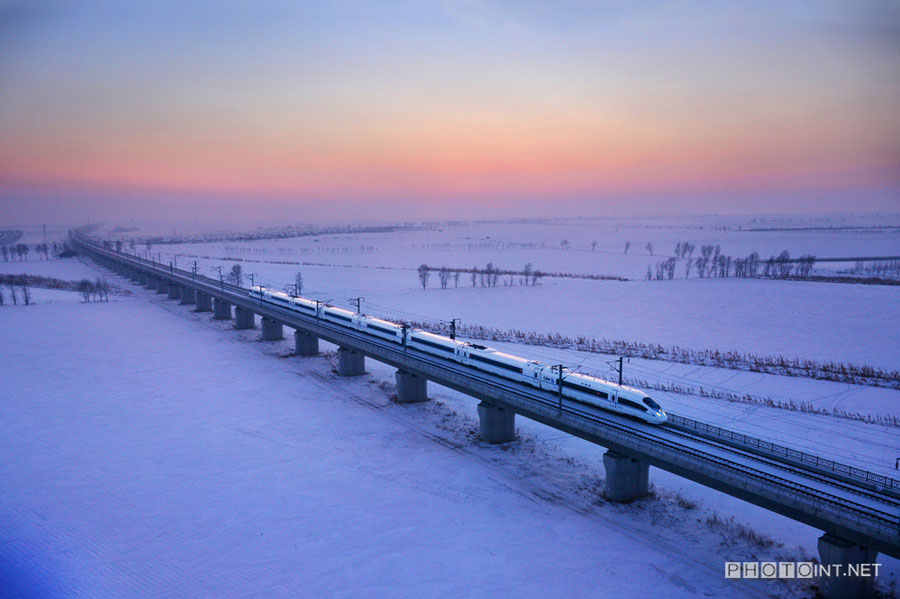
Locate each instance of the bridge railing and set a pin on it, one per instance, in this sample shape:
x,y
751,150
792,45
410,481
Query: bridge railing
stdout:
x,y
718,432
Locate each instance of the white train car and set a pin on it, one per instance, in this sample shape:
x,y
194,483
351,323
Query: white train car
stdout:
x,y
340,316
603,394
381,328
298,304
438,345
577,387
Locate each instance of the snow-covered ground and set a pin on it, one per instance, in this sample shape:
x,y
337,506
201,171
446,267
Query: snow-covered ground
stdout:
x,y
176,460
792,318
152,451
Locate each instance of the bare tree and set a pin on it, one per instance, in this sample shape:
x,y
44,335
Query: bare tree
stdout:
x,y
670,267
26,290
688,249
752,264
784,265
527,272
236,275
564,244
424,273
2,297
101,289
593,246
85,287
444,276
649,273
474,275
298,283
649,248
456,279
5,251
627,246
489,269
119,245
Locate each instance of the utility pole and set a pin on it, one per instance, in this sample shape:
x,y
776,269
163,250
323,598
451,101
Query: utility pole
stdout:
x,y
194,271
617,368
453,328
318,304
358,301
559,371
405,328
221,280
251,275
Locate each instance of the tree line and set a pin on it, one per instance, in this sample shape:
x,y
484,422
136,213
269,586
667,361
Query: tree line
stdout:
x,y
19,287
489,276
20,251
14,284
712,263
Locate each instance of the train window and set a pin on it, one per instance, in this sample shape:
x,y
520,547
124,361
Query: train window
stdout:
x,y
632,405
652,404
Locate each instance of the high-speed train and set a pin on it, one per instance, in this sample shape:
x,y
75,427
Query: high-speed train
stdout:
x,y
578,387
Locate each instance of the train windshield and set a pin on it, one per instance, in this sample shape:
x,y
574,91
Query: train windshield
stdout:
x,y
651,404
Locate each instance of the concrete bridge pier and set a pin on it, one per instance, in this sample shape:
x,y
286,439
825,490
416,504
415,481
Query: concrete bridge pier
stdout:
x,y
627,478
135,276
496,424
411,388
272,330
834,551
142,278
174,291
162,286
204,302
243,319
305,344
150,282
351,363
188,296
221,310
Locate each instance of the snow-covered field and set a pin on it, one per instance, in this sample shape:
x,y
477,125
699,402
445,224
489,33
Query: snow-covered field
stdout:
x,y
791,318
164,454
147,451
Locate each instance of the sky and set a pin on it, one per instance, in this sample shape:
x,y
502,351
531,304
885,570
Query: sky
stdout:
x,y
455,108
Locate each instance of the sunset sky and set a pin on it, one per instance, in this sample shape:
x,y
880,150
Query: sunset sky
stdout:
x,y
447,108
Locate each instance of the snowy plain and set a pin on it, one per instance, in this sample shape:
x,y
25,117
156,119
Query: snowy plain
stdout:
x,y
149,451
791,318
549,469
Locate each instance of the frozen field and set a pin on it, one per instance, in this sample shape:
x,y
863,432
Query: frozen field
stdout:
x,y
183,459
819,321
168,455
